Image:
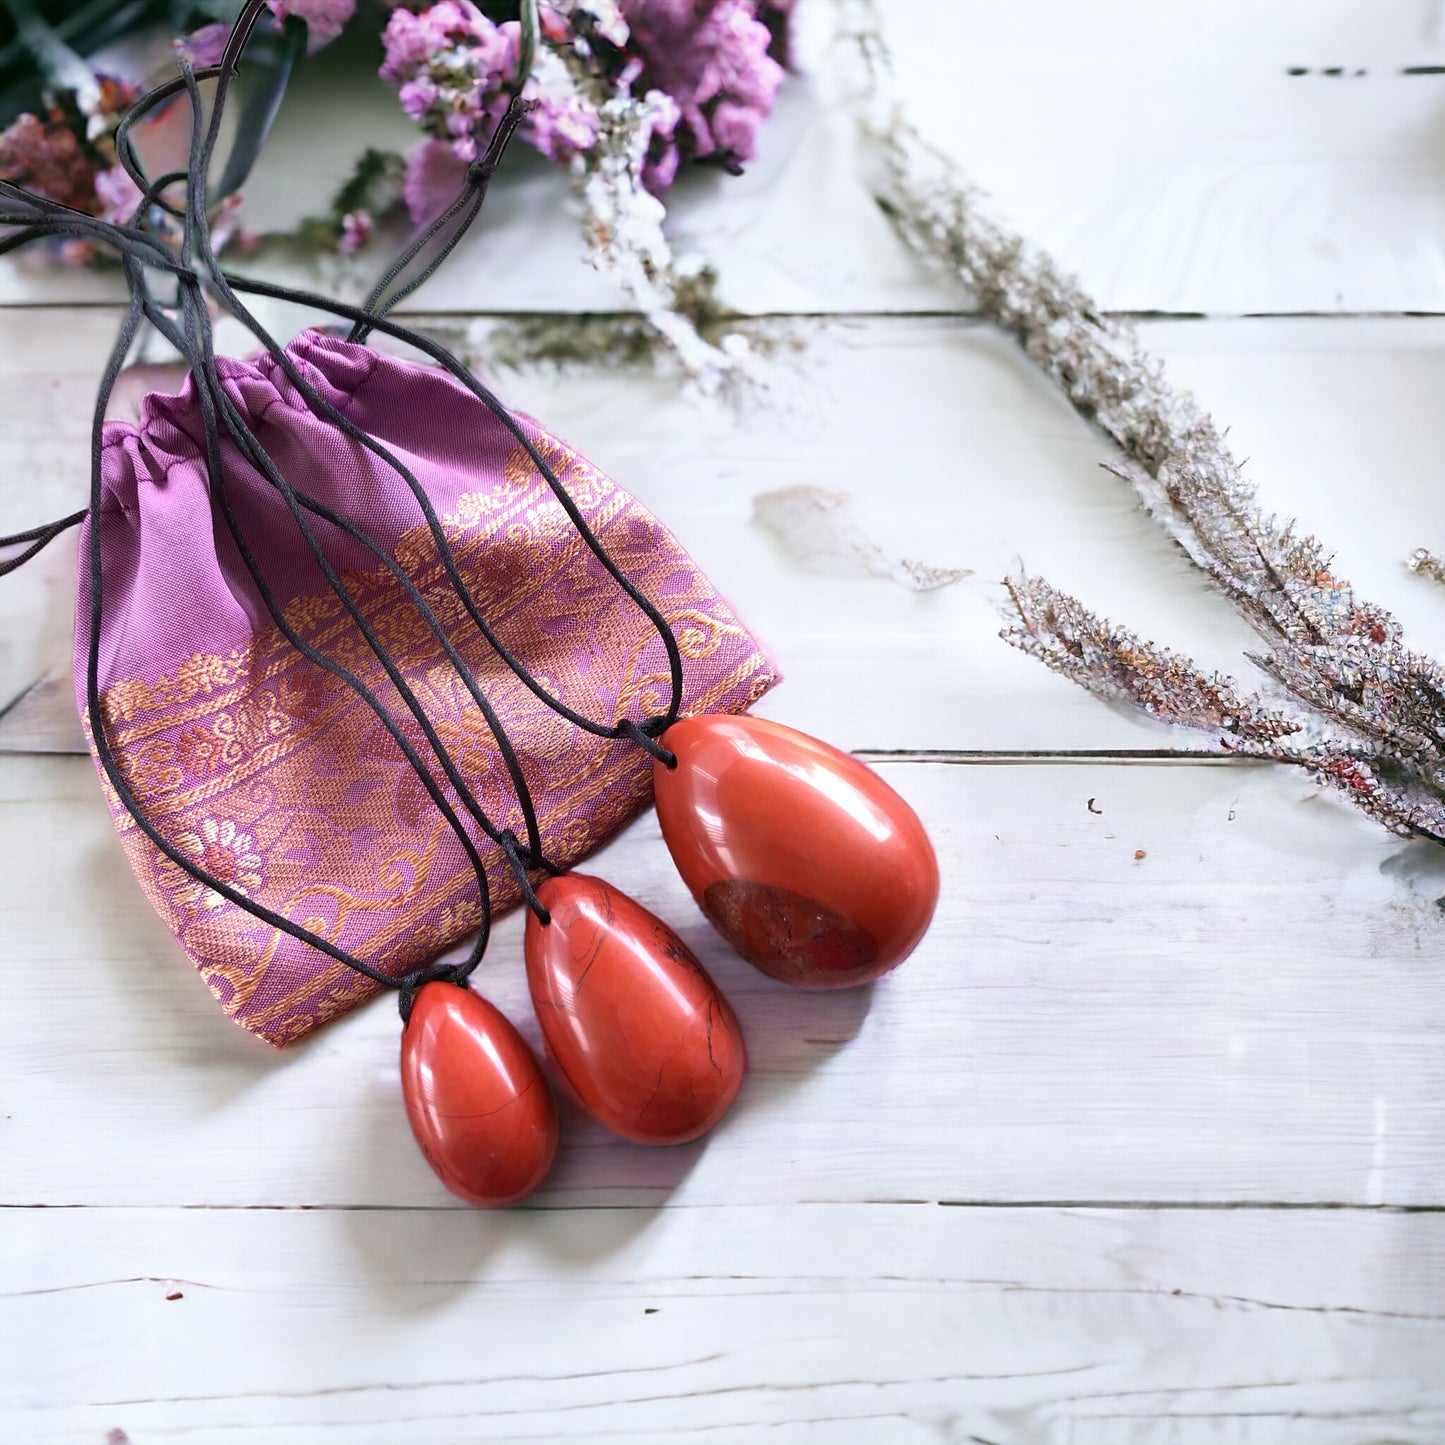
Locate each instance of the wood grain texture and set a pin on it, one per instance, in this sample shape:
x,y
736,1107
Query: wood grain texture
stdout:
x,y
827,1324
1146,1144
953,452
1249,1012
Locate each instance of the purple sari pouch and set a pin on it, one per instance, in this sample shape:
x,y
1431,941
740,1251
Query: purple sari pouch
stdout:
x,y
270,772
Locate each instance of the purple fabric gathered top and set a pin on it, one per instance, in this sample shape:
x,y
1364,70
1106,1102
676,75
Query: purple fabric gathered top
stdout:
x,y
269,772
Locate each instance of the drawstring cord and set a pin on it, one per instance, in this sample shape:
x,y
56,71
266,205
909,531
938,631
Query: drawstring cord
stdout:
x,y
38,217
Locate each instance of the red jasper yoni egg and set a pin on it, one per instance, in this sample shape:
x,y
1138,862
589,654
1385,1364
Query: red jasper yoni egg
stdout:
x,y
805,860
630,1018
476,1097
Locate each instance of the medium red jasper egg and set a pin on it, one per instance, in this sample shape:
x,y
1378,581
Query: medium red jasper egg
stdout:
x,y
806,861
476,1098
631,1019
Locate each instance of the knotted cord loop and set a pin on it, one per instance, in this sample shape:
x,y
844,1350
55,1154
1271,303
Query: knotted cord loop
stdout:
x,y
462,211
645,735
411,983
519,860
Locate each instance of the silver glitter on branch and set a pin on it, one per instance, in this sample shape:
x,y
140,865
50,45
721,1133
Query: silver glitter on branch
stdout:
x,y
1120,667
1125,669
1371,714
1425,563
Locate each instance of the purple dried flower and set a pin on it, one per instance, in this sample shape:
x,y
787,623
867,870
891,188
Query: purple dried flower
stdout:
x,y
562,123
451,65
204,47
325,19
356,227
734,129
660,165
453,68
417,97
434,176
116,195
47,156
559,131
713,60
454,41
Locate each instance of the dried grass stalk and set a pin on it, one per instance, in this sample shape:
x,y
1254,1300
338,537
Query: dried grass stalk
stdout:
x,y
1368,713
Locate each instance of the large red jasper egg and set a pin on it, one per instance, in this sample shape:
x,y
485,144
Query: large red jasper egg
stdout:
x,y
805,860
476,1097
631,1019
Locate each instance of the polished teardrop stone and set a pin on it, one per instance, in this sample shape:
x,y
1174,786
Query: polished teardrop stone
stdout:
x,y
631,1019
805,860
477,1100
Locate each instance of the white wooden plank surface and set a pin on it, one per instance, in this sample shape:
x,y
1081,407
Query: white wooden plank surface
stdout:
x,y
828,1324
1248,1013
1164,153
1135,1148
954,453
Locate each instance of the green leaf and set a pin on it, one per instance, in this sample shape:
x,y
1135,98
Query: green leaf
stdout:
x,y
374,183
261,107
61,67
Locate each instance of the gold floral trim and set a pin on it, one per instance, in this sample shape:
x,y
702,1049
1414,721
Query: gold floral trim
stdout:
x,y
276,778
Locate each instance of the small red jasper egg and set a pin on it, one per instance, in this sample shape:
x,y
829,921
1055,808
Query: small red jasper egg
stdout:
x,y
478,1103
631,1019
806,861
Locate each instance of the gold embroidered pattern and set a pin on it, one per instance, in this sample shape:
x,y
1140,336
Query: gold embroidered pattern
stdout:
x,y
276,778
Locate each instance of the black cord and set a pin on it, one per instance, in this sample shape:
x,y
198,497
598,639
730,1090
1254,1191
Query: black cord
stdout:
x,y
39,537
38,217
468,205
444,358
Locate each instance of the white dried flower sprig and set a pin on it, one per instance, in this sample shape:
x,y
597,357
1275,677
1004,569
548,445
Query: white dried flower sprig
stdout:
x,y
622,219
625,240
1373,715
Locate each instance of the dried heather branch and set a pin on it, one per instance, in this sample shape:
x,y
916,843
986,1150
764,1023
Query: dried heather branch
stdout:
x,y
1393,797
1342,657
1115,664
1176,456
1123,668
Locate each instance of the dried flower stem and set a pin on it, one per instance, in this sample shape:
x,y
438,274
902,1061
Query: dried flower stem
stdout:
x,y
623,220
1373,714
625,239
